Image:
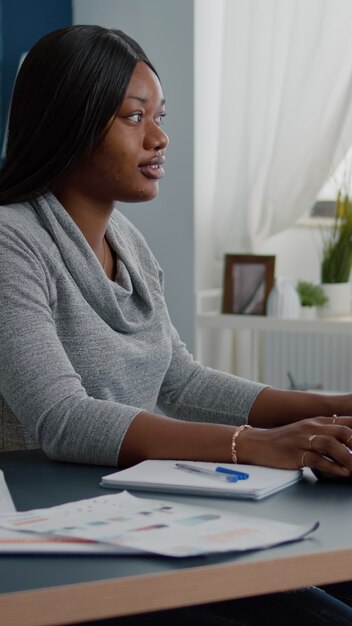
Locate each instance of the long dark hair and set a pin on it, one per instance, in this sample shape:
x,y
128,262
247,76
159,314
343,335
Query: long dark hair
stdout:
x,y
69,86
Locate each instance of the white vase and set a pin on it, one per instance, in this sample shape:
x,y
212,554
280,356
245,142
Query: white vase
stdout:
x,y
283,300
308,312
339,304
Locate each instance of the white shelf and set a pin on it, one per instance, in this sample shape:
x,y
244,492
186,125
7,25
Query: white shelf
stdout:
x,y
337,325
252,328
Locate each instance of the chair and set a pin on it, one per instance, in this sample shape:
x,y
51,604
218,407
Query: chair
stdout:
x,y
12,435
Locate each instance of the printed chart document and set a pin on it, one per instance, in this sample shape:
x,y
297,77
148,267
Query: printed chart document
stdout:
x,y
27,542
165,476
15,542
123,522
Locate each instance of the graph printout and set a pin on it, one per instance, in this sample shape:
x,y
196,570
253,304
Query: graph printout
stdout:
x,y
122,522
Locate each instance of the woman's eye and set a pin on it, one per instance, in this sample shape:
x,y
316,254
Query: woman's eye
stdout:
x,y
160,119
136,117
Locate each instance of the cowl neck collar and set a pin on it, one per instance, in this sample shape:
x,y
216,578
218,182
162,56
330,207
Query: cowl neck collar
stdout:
x,y
127,306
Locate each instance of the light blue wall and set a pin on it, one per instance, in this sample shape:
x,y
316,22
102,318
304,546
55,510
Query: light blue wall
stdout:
x,y
164,28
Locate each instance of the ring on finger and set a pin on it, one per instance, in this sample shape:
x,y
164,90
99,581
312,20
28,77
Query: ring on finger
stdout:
x,y
303,458
311,439
334,418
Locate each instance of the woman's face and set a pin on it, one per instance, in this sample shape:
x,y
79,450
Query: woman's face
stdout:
x,y
127,163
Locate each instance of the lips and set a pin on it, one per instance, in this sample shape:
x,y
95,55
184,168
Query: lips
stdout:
x,y
153,169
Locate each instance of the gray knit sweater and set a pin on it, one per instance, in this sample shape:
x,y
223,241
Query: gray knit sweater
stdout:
x,y
80,355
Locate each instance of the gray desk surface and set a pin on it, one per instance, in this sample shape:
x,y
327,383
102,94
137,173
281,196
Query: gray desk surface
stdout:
x,y
93,587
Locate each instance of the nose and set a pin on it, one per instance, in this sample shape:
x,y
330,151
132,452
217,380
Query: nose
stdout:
x,y
156,139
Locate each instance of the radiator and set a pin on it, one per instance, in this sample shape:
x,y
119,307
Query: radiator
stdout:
x,y
312,360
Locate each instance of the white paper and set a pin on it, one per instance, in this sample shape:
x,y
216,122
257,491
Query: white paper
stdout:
x,y
6,502
155,526
13,541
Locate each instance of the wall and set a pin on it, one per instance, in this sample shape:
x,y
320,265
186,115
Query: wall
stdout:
x,y
23,23
165,31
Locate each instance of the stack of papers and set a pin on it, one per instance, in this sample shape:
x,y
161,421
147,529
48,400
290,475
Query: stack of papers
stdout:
x,y
122,523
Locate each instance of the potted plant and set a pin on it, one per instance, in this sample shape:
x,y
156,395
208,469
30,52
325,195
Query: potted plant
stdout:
x,y
311,296
337,259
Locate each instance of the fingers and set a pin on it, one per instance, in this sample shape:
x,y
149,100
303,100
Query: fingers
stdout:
x,y
340,429
322,463
331,452
317,443
327,425
341,433
325,436
344,420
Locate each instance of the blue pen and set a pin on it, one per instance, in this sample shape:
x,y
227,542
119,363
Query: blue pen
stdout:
x,y
226,470
231,476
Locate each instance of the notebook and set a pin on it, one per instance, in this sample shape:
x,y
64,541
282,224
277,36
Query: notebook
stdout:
x,y
165,476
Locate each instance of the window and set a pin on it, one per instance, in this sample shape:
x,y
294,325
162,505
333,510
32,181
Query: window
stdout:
x,y
341,179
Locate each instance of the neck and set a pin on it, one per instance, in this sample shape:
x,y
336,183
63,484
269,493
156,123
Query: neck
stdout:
x,y
91,217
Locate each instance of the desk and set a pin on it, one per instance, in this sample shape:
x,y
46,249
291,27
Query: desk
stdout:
x,y
46,590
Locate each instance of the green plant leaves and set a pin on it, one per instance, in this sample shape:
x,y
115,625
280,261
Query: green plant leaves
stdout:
x,y
337,247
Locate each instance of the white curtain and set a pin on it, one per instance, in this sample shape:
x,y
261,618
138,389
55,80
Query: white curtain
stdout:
x,y
285,113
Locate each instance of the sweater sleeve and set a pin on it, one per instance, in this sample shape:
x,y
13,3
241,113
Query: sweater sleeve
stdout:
x,y
193,392
37,379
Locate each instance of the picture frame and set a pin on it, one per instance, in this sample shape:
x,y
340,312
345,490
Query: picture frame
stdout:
x,y
248,280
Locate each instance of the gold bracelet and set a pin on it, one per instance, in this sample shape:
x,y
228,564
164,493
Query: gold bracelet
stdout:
x,y
233,443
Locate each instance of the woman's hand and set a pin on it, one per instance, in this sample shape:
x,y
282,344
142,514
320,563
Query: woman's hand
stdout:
x,y
323,443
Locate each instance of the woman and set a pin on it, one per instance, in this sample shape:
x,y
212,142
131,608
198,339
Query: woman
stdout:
x,y
88,350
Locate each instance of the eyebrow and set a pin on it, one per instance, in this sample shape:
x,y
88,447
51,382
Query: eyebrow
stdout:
x,y
144,100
